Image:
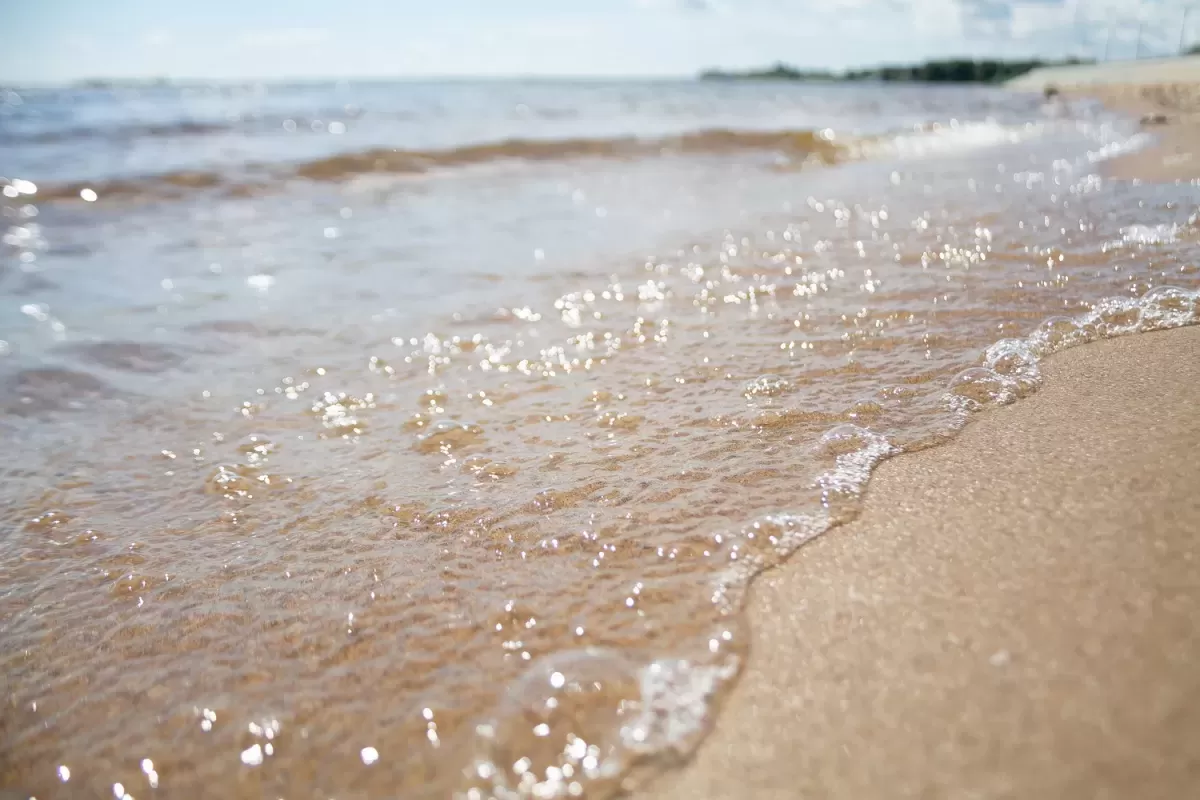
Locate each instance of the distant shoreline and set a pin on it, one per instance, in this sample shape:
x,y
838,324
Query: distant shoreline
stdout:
x,y
956,70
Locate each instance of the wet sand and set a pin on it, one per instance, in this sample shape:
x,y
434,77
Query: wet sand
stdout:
x,y
1163,93
1015,614
1171,113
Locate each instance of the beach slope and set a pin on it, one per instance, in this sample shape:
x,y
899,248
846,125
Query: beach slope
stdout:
x,y
1014,614
1163,93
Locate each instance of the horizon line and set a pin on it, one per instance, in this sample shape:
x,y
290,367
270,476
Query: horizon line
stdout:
x,y
150,80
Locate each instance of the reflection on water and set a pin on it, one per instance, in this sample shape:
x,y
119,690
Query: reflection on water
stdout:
x,y
403,486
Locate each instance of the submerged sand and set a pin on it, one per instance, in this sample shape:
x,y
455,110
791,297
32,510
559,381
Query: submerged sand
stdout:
x,y
1015,614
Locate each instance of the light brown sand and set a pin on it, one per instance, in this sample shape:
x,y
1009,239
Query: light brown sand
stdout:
x,y
1143,72
1171,113
1164,93
1015,614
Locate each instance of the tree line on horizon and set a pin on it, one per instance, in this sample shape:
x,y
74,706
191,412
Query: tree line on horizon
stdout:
x,y
955,70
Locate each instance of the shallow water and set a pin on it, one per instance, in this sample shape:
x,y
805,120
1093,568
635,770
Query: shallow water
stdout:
x,y
330,477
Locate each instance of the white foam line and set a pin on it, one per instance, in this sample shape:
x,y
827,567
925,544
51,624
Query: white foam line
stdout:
x,y
676,693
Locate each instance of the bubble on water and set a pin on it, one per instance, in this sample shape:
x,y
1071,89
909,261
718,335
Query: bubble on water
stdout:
x,y
497,470
340,412
564,721
485,468
229,480
978,388
619,420
762,543
834,497
418,421
447,434
580,720
1056,333
1169,298
1167,307
1114,316
256,447
841,487
767,386
842,439
865,408
675,698
1015,359
1149,234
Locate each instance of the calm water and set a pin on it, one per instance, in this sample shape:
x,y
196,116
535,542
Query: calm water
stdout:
x,y
420,440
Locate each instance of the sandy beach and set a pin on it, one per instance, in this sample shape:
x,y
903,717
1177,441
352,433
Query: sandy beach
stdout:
x,y
1013,615
1163,93
433,444
1171,113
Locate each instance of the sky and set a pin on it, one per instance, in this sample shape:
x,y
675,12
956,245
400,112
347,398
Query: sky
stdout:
x,y
53,41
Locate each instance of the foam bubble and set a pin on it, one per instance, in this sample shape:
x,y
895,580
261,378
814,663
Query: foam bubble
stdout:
x,y
1011,366
977,388
1149,234
844,439
1017,360
1168,307
1116,315
566,720
1056,333
767,386
675,696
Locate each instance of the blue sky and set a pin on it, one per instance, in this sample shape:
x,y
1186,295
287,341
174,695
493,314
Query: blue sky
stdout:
x,y
61,40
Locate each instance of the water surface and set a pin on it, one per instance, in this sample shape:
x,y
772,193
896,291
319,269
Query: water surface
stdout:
x,y
418,440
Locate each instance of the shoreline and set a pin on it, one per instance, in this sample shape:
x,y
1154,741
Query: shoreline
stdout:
x,y
1170,112
1163,93
1014,613
991,625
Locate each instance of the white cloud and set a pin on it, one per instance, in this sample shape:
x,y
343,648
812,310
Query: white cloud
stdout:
x,y
1032,20
937,18
282,37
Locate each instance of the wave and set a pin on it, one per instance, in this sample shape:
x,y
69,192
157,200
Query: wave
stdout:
x,y
804,143
151,187
801,148
798,146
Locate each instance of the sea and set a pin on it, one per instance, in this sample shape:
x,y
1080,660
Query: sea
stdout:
x,y
412,439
